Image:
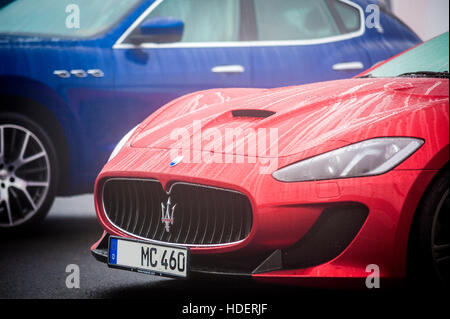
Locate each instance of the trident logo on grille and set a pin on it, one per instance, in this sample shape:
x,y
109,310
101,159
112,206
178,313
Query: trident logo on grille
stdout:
x,y
167,214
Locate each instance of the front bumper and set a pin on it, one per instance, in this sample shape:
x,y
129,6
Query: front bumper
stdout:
x,y
330,235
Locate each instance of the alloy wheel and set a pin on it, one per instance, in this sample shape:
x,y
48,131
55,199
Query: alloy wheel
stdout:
x,y
24,174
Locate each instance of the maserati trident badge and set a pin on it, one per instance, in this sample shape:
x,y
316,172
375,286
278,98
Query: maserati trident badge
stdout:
x,y
167,214
176,161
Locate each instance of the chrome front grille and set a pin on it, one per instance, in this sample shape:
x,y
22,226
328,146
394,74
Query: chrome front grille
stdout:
x,y
202,215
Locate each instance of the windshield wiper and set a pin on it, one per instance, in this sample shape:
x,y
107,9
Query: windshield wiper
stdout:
x,y
367,76
426,74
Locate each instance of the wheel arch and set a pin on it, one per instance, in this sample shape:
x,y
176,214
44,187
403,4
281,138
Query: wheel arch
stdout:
x,y
35,100
418,263
429,186
405,228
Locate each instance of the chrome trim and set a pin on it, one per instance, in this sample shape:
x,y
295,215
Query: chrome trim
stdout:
x,y
168,193
79,73
120,45
63,74
97,73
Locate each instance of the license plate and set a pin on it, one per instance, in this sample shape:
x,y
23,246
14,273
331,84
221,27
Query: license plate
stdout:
x,y
154,259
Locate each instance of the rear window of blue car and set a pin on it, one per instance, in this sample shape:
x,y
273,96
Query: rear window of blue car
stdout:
x,y
62,18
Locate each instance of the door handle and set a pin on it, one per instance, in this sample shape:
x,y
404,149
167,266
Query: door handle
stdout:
x,y
348,66
228,69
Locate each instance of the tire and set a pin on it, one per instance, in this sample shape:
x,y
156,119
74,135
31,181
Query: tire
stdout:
x,y
428,261
28,172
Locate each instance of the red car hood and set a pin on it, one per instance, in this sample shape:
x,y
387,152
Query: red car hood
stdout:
x,y
300,118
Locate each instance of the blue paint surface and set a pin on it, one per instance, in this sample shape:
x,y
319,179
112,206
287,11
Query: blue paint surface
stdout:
x,y
113,251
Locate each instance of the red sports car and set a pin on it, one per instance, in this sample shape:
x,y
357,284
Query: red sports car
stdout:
x,y
307,185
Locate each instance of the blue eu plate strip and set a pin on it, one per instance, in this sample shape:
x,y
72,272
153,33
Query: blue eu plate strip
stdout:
x,y
113,251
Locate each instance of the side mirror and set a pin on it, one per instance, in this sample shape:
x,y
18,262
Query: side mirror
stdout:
x,y
161,30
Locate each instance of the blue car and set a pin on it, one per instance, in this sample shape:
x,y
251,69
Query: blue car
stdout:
x,y
76,75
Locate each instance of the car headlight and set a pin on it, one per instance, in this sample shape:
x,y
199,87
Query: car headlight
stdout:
x,y
371,157
122,143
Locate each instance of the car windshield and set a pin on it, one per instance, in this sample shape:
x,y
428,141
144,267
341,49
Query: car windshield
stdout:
x,y
61,18
429,59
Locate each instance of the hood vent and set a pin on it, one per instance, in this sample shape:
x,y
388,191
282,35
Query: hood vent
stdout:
x,y
252,113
